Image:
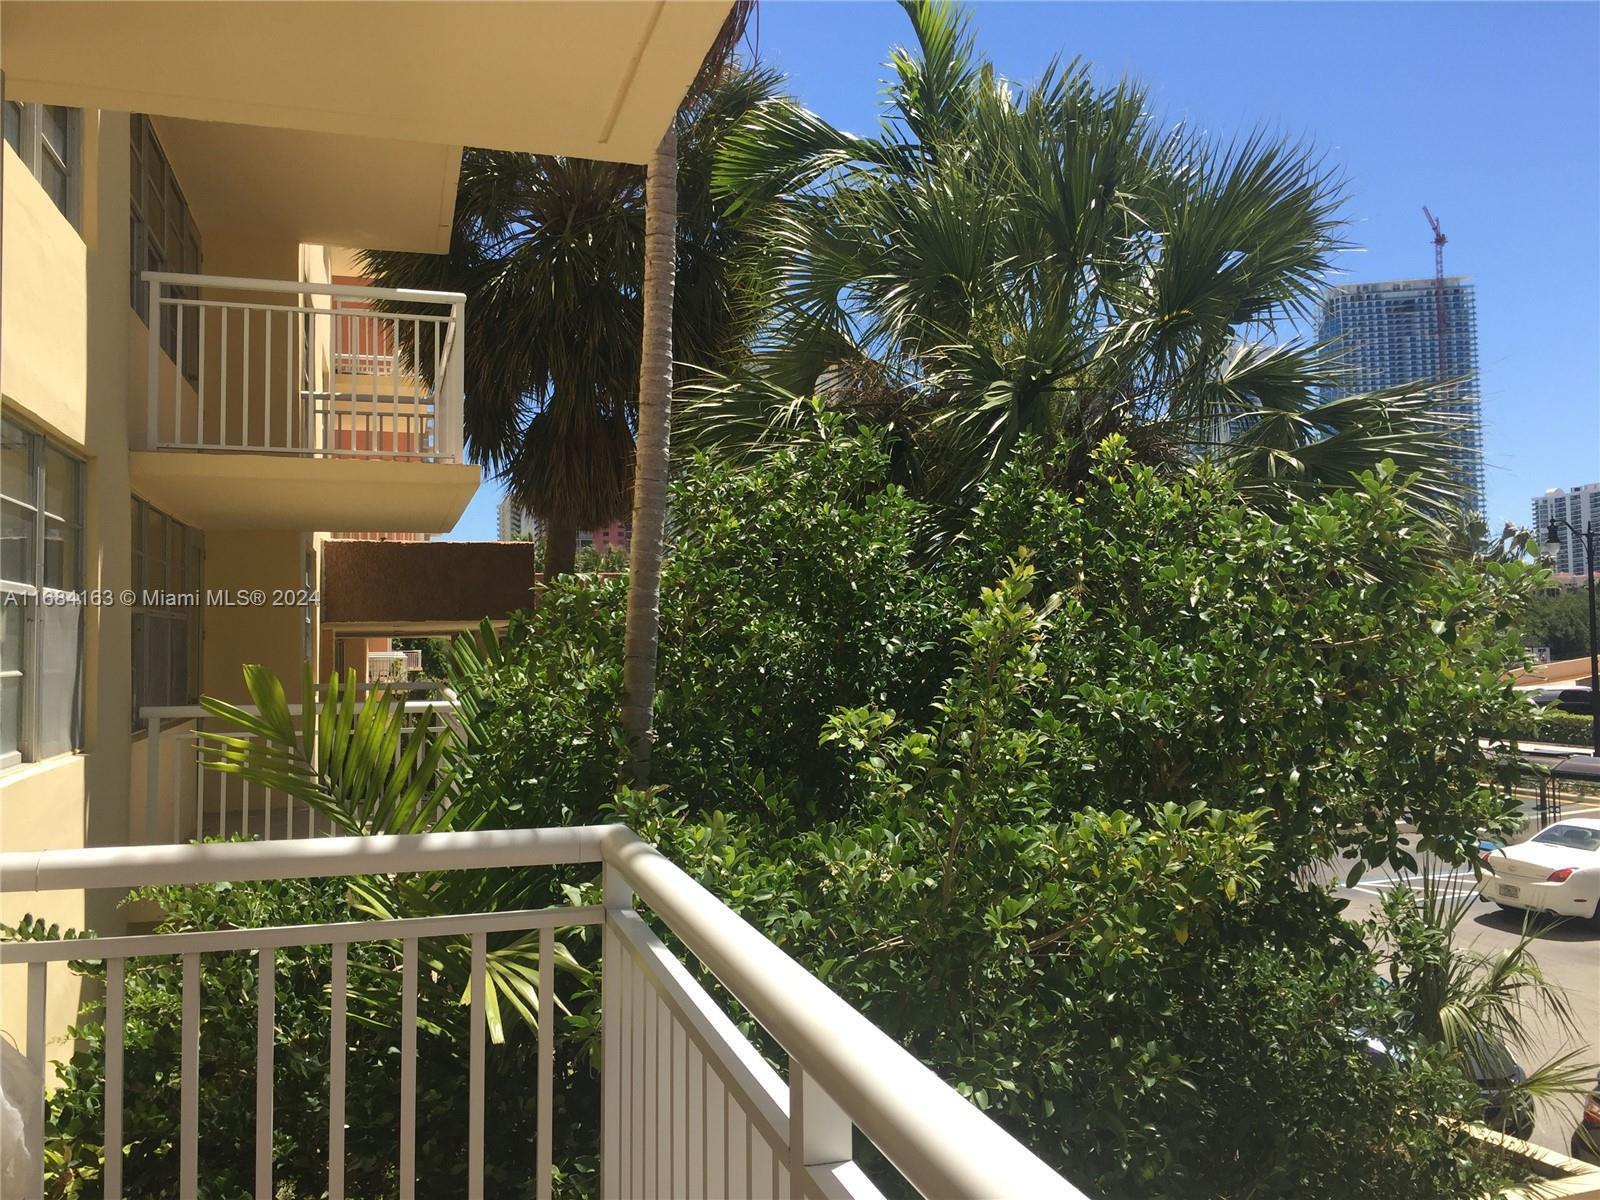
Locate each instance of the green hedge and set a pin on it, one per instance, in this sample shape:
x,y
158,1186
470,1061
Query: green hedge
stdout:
x,y
1563,728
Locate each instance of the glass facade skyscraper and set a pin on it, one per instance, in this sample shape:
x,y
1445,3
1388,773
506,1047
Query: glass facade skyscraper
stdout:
x,y
1388,334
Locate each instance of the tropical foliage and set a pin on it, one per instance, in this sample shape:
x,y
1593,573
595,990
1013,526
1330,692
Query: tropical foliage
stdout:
x,y
1033,628
1559,621
1058,784
152,1053
549,251
1000,261
1484,1008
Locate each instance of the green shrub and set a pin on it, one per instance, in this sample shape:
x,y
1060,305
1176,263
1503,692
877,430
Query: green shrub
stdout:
x,y
793,590
1049,841
1563,728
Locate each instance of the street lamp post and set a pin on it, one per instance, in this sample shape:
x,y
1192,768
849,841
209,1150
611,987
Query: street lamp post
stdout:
x,y
1552,543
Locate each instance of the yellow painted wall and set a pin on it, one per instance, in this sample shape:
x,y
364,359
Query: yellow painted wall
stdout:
x,y
44,324
272,636
174,394
255,390
175,816
43,808
66,291
108,698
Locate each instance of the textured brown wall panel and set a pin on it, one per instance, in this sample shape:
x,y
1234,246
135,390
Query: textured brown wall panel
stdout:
x,y
377,583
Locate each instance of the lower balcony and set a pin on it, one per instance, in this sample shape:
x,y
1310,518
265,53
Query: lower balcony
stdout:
x,y
687,1104
274,404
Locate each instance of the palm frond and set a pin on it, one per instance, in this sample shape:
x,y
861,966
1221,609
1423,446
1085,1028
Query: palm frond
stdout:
x,y
1483,1006
549,251
1283,447
368,767
1047,260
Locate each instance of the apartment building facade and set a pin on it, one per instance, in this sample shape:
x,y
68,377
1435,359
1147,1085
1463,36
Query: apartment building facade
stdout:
x,y
1388,335
195,388
1578,507
190,397
515,523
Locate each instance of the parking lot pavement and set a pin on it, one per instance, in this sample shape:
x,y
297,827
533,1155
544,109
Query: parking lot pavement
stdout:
x,y
1569,954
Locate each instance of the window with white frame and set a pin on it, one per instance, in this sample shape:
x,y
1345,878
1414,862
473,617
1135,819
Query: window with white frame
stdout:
x,y
41,597
162,237
47,137
168,582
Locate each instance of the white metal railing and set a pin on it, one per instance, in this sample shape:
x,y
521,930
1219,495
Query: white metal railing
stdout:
x,y
689,1107
316,373
206,803
364,347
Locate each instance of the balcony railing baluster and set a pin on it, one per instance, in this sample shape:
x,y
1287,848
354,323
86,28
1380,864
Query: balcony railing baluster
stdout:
x,y
338,351
690,1107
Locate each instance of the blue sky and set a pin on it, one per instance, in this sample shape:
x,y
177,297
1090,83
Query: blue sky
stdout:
x,y
1489,113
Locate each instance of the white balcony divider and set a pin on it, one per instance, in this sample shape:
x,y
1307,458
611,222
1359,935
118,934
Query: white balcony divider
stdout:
x,y
689,1106
318,373
183,800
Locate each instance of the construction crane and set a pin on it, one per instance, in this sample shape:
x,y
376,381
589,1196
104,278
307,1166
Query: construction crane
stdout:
x,y
1440,317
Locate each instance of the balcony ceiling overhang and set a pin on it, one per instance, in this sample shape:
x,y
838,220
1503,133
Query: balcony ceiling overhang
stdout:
x,y
573,77
326,188
267,491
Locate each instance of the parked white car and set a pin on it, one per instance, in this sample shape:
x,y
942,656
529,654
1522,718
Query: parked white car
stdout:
x,y
1555,871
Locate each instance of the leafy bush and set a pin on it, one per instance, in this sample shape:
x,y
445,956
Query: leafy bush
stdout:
x,y
1562,728
546,747
1559,621
792,591
1322,665
1050,842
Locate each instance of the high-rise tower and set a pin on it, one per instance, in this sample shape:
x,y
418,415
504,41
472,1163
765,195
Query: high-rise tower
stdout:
x,y
1389,335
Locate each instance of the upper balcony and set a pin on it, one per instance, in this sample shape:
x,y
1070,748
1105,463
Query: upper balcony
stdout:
x,y
274,404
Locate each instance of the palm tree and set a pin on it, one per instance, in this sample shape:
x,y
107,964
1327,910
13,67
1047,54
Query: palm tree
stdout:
x,y
1483,1007
549,251
650,472
998,262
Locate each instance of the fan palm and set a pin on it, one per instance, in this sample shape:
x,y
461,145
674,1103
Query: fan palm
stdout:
x,y
999,261
550,252
1482,1006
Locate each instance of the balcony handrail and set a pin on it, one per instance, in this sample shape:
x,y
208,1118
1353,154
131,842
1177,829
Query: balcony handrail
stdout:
x,y
940,1142
115,867
294,288
168,712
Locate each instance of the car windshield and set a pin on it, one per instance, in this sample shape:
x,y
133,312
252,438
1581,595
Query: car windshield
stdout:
x,y
1573,837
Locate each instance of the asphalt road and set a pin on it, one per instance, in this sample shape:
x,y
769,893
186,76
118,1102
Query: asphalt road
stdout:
x,y
1569,954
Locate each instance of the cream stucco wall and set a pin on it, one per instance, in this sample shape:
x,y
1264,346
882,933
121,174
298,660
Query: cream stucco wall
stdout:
x,y
271,635
73,365
63,371
42,809
43,338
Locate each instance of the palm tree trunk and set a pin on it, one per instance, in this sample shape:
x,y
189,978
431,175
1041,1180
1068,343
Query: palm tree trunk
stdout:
x,y
560,548
650,455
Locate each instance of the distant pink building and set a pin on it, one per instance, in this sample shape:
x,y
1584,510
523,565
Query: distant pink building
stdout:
x,y
616,536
